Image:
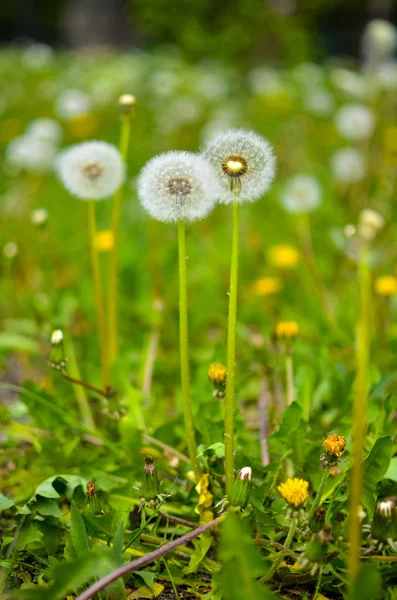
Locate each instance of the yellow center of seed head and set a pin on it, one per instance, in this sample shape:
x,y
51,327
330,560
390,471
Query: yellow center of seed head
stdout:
x,y
294,491
234,166
92,171
334,444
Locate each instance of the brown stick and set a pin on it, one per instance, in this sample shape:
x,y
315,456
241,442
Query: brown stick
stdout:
x,y
141,562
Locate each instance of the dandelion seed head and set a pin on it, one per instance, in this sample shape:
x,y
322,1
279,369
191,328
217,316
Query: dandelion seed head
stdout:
x,y
348,165
380,39
244,162
72,103
30,153
177,185
355,122
92,170
302,193
370,223
45,129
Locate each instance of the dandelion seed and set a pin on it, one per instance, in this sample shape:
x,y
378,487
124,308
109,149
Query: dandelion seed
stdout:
x,y
355,122
348,165
177,186
302,194
294,491
244,162
92,170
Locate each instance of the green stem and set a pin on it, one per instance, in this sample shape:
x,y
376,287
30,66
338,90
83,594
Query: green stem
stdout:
x,y
81,396
184,351
277,561
114,257
98,292
289,372
231,353
320,492
359,411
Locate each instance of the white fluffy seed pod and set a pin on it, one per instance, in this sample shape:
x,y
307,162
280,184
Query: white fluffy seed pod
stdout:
x,y
72,103
177,186
379,40
92,170
355,122
30,153
244,162
370,223
348,165
302,194
45,129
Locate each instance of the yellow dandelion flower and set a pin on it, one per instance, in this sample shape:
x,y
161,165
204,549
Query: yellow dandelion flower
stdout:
x,y
386,285
104,240
266,286
294,491
217,374
334,444
205,499
287,330
283,256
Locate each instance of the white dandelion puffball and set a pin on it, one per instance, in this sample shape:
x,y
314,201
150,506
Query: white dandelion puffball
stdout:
x,y
30,153
72,103
319,102
45,129
244,162
380,39
302,194
348,165
92,170
355,122
177,186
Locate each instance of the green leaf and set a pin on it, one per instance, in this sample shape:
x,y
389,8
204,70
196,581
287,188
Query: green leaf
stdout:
x,y
28,535
148,577
242,564
78,532
47,490
201,547
375,467
391,472
47,507
5,502
368,583
17,342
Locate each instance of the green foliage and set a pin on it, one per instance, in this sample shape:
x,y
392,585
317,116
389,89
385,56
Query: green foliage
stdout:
x,y
375,467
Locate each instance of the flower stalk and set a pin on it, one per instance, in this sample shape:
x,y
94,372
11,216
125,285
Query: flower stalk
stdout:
x,y
126,118
184,351
277,561
320,492
231,353
289,372
359,410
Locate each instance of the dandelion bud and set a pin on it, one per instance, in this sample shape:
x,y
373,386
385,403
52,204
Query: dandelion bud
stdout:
x,y
93,499
370,223
244,162
39,217
334,445
217,374
177,186
150,485
126,103
386,285
92,170
384,522
294,491
57,356
286,330
241,489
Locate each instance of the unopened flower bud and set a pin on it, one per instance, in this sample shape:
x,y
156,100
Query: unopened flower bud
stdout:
x,y
126,103
334,445
217,374
39,217
150,485
93,498
384,523
241,488
57,356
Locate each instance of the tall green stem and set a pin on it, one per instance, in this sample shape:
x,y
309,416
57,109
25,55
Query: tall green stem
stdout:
x,y
98,292
231,353
320,493
289,372
114,258
81,396
277,561
184,351
359,411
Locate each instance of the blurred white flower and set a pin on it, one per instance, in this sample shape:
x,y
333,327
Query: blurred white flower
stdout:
x,y
45,129
37,56
350,83
355,121
309,74
265,81
302,193
379,41
177,185
348,165
244,162
30,153
164,83
211,86
10,250
72,103
370,223
319,102
387,75
92,170
39,217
